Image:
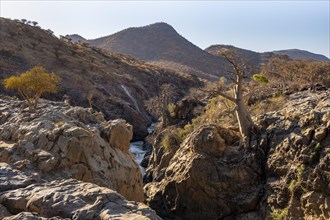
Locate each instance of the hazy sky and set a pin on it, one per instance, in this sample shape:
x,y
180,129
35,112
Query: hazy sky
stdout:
x,y
255,25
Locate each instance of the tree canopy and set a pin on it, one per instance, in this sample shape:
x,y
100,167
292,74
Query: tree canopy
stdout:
x,y
32,84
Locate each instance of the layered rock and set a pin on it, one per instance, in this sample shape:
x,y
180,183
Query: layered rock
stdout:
x,y
61,142
67,199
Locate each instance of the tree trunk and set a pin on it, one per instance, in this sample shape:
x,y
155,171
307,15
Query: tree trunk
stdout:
x,y
245,123
243,116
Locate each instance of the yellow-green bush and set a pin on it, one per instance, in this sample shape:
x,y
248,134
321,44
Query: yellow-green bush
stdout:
x,y
32,84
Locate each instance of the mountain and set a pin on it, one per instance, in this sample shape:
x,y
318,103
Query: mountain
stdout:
x,y
254,58
114,84
258,59
302,54
160,44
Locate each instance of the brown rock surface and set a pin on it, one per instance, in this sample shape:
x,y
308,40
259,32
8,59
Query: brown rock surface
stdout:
x,y
64,142
209,177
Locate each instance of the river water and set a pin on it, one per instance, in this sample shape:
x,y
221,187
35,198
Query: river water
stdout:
x,y
136,149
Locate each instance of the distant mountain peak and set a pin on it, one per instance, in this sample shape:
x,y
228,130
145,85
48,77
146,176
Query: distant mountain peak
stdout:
x,y
160,44
160,24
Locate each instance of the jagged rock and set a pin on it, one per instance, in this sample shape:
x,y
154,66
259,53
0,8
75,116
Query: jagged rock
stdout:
x,y
72,199
159,158
209,177
297,168
62,142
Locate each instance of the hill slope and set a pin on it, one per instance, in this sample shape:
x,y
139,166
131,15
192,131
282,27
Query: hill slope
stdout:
x,y
258,59
254,58
117,84
302,54
160,44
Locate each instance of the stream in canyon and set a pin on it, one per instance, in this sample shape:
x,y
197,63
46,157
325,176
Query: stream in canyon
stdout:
x,y
137,150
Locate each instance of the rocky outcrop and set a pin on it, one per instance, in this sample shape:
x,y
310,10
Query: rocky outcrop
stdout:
x,y
209,177
284,176
298,165
67,199
61,142
160,157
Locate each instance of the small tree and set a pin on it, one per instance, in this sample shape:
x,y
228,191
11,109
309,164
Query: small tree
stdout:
x,y
239,71
32,84
34,23
158,105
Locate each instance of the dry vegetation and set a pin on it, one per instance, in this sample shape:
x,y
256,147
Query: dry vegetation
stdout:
x,y
84,70
285,76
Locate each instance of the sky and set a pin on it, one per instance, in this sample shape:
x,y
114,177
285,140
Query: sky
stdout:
x,y
255,25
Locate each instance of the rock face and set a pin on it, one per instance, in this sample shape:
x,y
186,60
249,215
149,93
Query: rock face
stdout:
x,y
71,199
209,177
285,175
298,165
62,142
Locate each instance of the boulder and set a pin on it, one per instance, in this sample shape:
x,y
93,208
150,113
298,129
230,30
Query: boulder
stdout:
x,y
209,177
118,132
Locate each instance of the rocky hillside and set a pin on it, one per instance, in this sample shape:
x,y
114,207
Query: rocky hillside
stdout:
x,y
160,44
115,84
67,162
302,54
284,176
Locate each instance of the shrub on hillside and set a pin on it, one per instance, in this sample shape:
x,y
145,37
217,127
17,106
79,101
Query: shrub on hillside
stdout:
x,y
32,84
